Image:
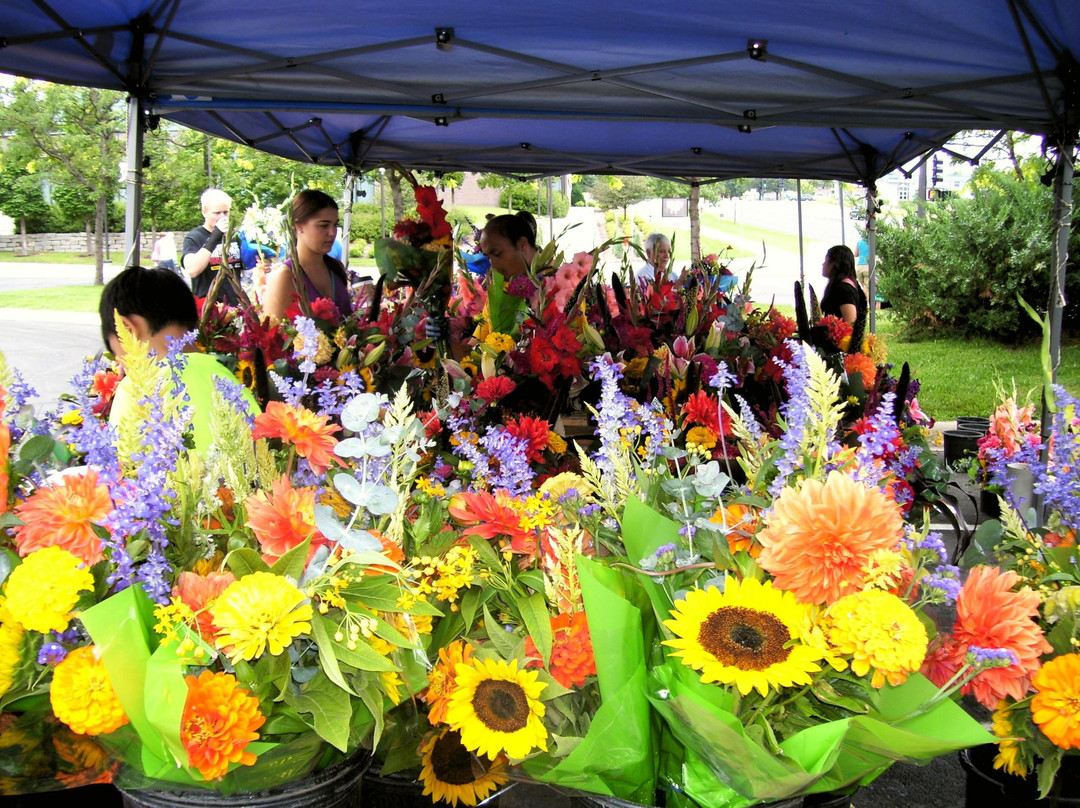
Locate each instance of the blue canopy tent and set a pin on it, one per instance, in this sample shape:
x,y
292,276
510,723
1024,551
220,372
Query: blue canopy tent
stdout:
x,y
684,89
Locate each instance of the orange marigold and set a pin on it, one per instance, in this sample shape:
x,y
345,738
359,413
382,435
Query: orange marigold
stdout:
x,y
82,695
990,615
197,592
572,659
821,535
742,523
63,514
442,679
220,719
861,363
1055,707
311,434
283,519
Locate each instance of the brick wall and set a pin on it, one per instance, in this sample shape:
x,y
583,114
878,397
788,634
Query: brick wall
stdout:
x,y
76,242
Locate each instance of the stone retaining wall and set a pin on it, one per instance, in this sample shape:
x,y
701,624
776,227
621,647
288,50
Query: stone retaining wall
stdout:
x,y
76,242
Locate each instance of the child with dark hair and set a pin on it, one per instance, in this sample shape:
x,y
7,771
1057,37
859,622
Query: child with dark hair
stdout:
x,y
509,242
155,305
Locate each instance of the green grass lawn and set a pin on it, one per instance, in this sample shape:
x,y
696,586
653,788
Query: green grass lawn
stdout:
x,y
56,298
47,258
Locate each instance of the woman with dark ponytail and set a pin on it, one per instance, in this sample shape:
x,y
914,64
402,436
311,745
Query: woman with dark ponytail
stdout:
x,y
843,297
509,242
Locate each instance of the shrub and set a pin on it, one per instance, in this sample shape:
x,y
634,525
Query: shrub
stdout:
x,y
524,198
366,222
961,267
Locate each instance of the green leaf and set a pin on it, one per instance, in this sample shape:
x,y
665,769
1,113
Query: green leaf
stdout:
x,y
37,448
322,632
534,579
485,551
293,563
244,561
503,640
534,614
330,708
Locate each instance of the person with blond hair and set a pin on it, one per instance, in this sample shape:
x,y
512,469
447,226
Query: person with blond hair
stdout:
x,y
204,252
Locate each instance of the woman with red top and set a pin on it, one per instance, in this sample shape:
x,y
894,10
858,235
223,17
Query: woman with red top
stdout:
x,y
315,219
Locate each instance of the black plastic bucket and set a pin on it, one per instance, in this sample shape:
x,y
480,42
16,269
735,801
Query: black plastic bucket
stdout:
x,y
335,787
986,786
960,443
977,423
824,800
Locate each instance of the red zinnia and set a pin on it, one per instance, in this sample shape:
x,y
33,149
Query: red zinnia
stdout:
x,y
495,388
535,432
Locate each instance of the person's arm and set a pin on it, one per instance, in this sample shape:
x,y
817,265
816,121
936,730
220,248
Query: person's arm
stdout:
x,y
196,261
848,313
279,292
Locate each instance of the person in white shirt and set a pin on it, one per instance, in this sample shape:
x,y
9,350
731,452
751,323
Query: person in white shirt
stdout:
x,y
658,254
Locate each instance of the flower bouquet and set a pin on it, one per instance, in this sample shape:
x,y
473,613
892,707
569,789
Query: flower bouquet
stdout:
x,y
215,619
1035,699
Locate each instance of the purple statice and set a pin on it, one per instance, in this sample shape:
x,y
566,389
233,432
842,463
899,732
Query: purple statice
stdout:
x,y
585,511
615,411
508,461
94,439
308,333
233,393
654,427
795,411
1058,480
946,580
877,437
983,658
51,653
19,395
333,394
689,531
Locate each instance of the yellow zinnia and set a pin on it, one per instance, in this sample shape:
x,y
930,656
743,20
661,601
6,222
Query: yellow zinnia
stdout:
x,y
500,342
11,637
497,708
749,635
82,695
878,631
43,590
260,612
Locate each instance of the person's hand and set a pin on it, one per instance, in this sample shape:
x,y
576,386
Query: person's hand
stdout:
x,y
222,223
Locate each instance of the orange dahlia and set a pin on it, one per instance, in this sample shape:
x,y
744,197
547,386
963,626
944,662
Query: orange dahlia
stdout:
x,y
821,535
220,719
63,514
82,695
283,519
742,523
860,363
1055,707
311,434
197,592
990,615
572,660
5,448
493,515
442,679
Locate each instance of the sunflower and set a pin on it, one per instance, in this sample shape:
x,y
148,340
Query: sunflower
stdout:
x,y
260,612
497,708
748,635
63,515
820,535
1010,757
1055,707
451,773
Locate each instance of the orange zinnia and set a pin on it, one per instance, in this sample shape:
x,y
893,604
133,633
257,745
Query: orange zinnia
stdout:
x,y
860,363
490,516
63,514
572,659
311,434
219,722
1055,707
284,519
989,615
5,448
742,524
197,592
820,536
442,679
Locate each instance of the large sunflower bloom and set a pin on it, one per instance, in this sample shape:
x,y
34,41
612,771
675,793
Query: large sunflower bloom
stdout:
x,y
497,708
218,723
442,678
879,632
820,535
743,636
82,695
41,592
990,615
260,612
450,772
311,434
1055,707
63,515
283,519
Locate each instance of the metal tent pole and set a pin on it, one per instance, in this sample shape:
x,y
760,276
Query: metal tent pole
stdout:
x,y
134,179
871,241
798,208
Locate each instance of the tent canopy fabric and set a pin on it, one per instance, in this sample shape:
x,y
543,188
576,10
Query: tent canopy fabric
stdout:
x,y
787,88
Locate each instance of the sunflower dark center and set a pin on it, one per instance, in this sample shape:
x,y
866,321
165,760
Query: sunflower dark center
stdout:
x,y
451,761
501,706
744,638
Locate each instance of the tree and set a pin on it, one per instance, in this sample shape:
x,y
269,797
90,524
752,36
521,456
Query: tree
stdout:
x,y
81,133
621,192
20,194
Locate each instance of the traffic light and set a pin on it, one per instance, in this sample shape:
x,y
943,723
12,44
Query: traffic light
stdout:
x,y
935,172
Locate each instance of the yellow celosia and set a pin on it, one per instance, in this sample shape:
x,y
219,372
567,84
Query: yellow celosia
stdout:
x,y
43,590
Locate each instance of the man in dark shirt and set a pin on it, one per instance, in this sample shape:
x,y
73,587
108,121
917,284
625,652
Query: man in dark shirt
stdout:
x,y
202,252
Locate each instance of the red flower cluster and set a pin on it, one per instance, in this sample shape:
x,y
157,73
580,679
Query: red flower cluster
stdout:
x,y
535,432
555,356
837,328
701,408
431,212
495,388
